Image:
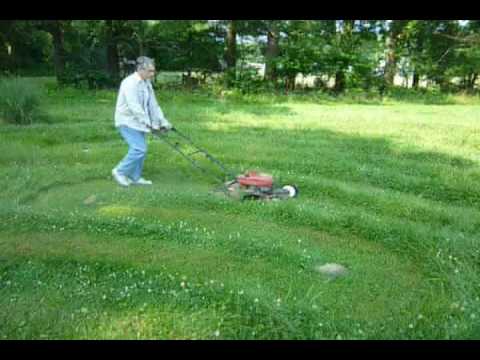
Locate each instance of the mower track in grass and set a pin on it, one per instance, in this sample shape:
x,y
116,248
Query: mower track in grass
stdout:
x,y
375,288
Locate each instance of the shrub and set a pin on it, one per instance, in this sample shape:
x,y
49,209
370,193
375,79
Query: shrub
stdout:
x,y
249,82
19,101
421,96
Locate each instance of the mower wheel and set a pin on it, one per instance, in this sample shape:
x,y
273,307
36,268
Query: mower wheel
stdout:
x,y
292,190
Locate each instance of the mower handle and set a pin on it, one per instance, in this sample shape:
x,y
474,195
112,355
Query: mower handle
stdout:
x,y
225,171
161,130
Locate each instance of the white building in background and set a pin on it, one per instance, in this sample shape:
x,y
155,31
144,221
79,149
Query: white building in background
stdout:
x,y
310,81
260,67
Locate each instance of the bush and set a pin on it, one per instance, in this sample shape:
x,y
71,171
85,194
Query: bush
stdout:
x,y
19,101
88,78
420,96
249,82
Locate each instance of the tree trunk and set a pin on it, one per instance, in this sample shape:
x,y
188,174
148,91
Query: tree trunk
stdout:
x,y
6,48
231,51
391,63
470,83
55,28
416,80
444,84
339,82
4,54
290,83
348,27
271,53
346,33
112,52
396,29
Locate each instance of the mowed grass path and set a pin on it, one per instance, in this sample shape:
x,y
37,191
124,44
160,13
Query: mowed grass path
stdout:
x,y
389,191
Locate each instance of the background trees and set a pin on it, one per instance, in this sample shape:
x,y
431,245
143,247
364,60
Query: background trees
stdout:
x,y
338,55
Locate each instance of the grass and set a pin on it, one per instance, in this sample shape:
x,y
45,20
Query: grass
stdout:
x,y
19,101
390,191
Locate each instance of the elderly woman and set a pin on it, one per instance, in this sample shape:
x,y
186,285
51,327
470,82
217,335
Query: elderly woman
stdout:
x,y
136,114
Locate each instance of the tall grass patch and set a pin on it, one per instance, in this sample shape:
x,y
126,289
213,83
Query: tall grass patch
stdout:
x,y
20,101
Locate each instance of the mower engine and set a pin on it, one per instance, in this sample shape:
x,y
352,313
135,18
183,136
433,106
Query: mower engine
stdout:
x,y
253,185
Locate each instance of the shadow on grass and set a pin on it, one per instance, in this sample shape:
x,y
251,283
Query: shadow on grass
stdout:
x,y
375,162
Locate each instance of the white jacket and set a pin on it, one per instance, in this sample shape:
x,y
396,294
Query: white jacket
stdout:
x,y
137,106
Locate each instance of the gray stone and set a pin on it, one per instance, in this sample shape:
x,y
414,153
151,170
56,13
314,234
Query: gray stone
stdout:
x,y
332,270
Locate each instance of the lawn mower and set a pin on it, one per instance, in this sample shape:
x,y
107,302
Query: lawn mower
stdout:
x,y
249,185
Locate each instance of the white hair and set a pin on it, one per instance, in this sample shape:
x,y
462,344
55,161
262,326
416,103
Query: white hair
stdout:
x,y
144,62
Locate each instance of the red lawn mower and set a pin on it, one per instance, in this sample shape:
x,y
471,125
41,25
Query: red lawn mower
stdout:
x,y
250,185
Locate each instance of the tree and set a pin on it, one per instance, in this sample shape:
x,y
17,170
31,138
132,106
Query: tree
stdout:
x,y
272,50
231,50
188,46
345,43
112,49
24,49
467,56
300,50
431,49
415,36
87,58
395,32
57,29
6,29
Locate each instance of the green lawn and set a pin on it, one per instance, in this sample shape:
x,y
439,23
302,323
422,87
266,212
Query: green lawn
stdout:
x,y
391,191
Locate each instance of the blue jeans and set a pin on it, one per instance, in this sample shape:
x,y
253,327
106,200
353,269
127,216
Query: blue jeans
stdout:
x,y
132,164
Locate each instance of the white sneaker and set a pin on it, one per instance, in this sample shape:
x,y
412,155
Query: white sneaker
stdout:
x,y
120,179
142,181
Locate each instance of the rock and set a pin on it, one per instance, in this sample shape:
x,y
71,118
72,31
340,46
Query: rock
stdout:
x,y
90,200
332,270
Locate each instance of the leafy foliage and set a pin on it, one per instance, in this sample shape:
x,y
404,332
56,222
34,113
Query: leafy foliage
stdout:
x,y
347,54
